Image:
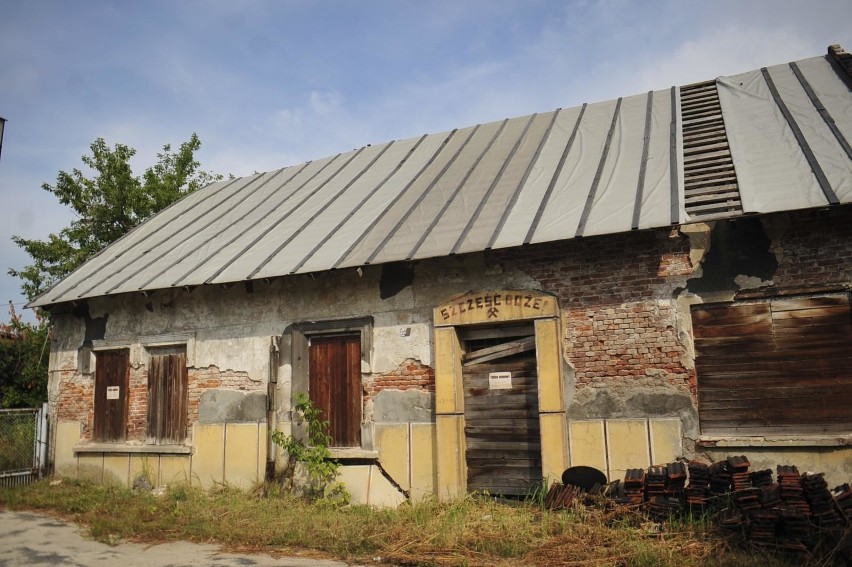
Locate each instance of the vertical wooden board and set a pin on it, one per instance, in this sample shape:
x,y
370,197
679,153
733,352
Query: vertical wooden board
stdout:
x,y
424,472
116,469
155,398
666,443
393,443
587,442
554,446
174,469
335,386
241,454
549,357
112,369
452,472
208,461
352,388
67,436
147,466
627,446
448,373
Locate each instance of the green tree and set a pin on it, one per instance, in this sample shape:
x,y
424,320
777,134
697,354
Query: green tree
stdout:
x,y
106,205
23,364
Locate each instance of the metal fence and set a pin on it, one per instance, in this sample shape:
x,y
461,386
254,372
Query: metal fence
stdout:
x,y
23,445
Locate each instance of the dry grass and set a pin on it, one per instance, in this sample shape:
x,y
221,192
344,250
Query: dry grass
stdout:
x,y
468,532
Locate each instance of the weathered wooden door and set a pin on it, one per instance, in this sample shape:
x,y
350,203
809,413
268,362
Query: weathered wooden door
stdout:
x,y
167,396
503,441
335,386
112,370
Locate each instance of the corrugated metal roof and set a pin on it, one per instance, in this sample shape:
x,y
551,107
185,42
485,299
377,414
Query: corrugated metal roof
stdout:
x,y
602,168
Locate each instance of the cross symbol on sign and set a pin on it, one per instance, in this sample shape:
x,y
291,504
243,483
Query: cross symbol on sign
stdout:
x,y
492,312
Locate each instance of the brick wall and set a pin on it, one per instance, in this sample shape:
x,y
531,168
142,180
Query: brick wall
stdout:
x,y
75,401
616,294
814,251
410,375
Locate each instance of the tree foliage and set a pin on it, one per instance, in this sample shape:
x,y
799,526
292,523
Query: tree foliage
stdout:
x,y
106,205
23,364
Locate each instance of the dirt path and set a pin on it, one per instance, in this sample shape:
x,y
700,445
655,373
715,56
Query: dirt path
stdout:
x,y
28,538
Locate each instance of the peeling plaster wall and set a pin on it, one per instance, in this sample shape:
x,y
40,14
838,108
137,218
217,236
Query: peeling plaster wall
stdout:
x,y
625,303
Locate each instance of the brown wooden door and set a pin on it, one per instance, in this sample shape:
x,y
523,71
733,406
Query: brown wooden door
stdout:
x,y
335,386
503,440
112,371
167,396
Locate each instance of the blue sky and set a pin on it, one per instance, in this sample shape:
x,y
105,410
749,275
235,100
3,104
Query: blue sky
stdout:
x,y
268,84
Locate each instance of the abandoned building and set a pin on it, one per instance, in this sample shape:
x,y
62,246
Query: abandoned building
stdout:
x,y
614,285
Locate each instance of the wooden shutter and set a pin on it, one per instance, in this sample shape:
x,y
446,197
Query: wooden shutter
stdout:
x,y
335,386
167,396
780,366
112,370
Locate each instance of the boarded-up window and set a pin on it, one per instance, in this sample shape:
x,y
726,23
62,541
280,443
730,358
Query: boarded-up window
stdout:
x,y
112,371
779,366
335,385
167,395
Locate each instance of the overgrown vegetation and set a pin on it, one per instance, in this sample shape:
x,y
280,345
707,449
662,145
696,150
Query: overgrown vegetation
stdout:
x,y
472,531
312,455
24,351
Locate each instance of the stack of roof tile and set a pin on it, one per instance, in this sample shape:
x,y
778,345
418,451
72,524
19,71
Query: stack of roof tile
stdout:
x,y
720,478
794,531
792,492
843,496
699,484
634,485
655,481
675,479
822,503
738,469
761,478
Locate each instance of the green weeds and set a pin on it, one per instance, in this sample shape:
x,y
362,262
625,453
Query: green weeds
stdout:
x,y
470,531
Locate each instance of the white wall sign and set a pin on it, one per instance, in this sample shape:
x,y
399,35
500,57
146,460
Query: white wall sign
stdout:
x,y
500,381
112,392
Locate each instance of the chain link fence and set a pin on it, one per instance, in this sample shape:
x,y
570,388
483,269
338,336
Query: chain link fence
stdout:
x,y
23,442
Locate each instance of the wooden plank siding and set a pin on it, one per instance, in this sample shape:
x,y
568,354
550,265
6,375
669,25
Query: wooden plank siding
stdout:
x,y
502,433
335,386
780,366
112,369
167,396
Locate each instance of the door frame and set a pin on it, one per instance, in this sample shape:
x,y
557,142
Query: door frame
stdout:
x,y
490,307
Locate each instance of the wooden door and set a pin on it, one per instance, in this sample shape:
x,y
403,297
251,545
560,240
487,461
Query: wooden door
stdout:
x,y
112,372
335,386
167,396
503,440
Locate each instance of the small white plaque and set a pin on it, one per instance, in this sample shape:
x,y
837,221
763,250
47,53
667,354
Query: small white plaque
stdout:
x,y
112,392
500,381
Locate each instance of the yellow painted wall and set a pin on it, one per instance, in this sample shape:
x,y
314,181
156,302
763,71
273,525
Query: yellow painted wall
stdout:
x,y
67,436
424,472
395,452
208,462
615,445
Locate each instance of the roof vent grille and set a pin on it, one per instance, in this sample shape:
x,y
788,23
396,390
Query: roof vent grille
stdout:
x,y
710,182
